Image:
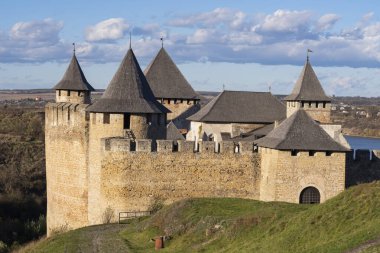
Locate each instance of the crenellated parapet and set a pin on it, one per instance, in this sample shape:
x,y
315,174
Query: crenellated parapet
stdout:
x,y
120,144
65,114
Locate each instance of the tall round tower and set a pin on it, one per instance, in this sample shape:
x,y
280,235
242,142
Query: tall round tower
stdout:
x,y
127,108
66,148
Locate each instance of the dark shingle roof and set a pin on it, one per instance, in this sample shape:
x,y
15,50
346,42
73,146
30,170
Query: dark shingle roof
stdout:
x,y
299,132
172,132
128,91
166,80
74,79
241,107
308,87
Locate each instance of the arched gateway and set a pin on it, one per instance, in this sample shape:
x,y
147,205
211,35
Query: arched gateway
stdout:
x,y
310,195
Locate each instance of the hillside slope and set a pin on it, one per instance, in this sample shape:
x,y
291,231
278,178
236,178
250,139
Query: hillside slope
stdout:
x,y
236,225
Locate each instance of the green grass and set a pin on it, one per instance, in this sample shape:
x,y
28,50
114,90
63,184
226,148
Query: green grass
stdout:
x,y
236,225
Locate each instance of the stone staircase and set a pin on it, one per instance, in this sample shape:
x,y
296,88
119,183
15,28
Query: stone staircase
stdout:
x,y
128,134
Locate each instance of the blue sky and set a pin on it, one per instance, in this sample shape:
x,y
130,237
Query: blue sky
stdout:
x,y
243,45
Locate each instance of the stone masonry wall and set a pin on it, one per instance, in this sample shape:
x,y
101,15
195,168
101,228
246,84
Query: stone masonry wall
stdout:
x,y
66,140
289,175
176,107
131,180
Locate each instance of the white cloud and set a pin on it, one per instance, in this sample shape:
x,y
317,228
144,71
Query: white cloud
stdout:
x,y
326,22
219,16
107,30
44,31
284,21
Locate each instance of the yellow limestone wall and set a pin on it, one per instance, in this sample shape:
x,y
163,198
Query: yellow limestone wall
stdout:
x,y
66,165
131,180
285,176
319,113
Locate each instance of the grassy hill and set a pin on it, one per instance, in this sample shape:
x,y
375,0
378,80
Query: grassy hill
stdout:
x,y
235,225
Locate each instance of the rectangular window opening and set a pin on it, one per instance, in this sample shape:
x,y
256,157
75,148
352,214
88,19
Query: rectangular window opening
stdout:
x,y
106,118
312,153
68,93
294,152
328,153
59,93
127,121
324,104
94,119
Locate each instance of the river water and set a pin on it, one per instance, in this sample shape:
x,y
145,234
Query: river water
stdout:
x,y
357,142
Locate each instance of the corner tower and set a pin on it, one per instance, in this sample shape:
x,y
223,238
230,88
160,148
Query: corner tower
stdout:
x,y
169,86
126,109
73,87
66,151
309,95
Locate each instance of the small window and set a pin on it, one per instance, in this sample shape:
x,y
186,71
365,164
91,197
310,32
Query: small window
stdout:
x,y
59,93
302,104
317,104
324,104
294,152
309,104
312,153
68,93
175,101
168,101
106,118
94,118
68,114
328,153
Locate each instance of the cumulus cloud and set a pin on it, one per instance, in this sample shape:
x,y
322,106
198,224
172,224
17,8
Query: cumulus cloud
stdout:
x,y
218,16
44,31
326,22
107,30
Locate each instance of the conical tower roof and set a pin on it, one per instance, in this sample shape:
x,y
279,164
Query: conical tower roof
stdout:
x,y
74,79
308,87
128,91
299,132
172,132
166,80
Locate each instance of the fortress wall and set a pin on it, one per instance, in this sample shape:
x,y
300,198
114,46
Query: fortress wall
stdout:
x,y
319,113
132,180
289,175
66,140
99,130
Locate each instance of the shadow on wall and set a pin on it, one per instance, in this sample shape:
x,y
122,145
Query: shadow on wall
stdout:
x,y
363,166
181,122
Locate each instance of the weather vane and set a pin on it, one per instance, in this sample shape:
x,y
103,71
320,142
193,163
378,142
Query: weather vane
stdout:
x,y
162,39
74,47
130,39
307,54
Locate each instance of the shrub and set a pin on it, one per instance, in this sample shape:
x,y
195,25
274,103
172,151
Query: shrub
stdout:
x,y
108,215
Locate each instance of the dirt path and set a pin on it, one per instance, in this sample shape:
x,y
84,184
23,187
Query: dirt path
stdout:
x,y
365,246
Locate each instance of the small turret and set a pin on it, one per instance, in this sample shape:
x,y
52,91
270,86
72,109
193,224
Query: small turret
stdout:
x,y
73,87
309,95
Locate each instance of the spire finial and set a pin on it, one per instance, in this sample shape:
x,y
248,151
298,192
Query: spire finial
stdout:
x,y
74,48
130,40
307,54
162,41
224,87
270,87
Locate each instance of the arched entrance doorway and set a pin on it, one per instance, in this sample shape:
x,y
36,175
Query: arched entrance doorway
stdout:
x,y
310,195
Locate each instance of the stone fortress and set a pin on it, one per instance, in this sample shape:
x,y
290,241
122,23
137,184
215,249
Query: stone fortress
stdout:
x,y
124,151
